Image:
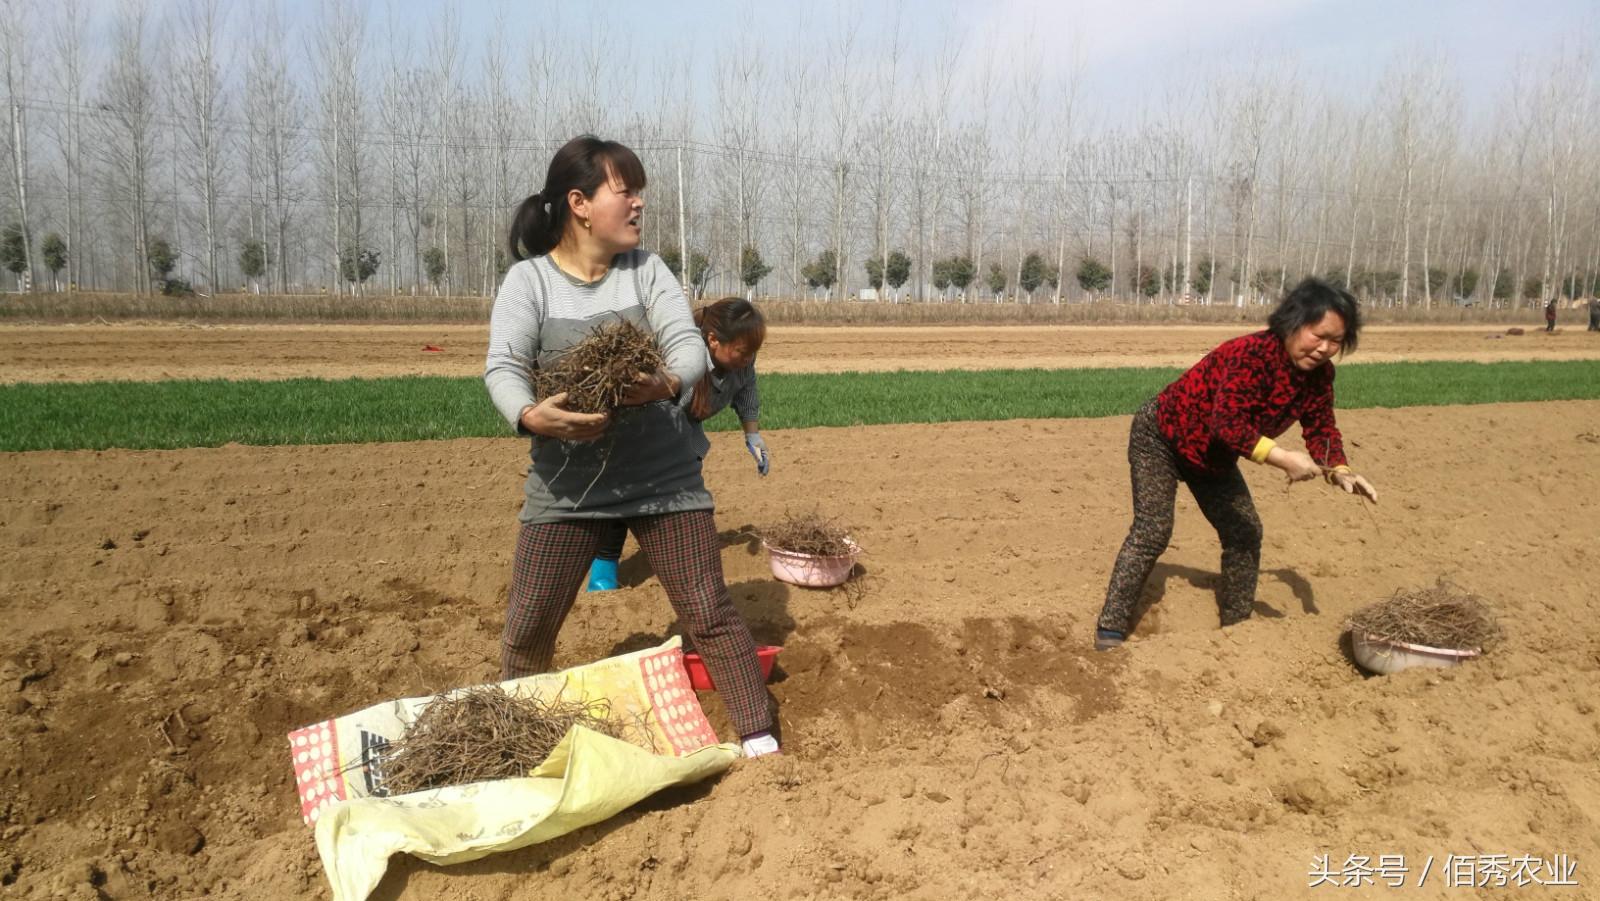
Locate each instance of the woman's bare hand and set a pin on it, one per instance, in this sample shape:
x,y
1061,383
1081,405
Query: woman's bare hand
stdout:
x,y
1298,465
649,387
552,419
1355,484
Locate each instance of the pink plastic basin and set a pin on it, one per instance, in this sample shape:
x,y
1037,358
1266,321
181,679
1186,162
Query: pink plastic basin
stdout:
x,y
1384,656
811,570
700,677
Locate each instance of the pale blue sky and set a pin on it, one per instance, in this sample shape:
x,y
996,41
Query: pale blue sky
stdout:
x,y
1131,49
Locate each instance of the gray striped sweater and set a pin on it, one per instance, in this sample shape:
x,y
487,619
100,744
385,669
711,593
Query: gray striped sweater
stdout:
x,y
648,462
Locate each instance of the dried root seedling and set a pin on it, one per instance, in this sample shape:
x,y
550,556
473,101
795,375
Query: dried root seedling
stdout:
x,y
809,533
1443,616
1367,503
854,590
597,371
485,733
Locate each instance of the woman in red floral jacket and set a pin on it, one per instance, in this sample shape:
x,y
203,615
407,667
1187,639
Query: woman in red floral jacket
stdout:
x,y
1232,404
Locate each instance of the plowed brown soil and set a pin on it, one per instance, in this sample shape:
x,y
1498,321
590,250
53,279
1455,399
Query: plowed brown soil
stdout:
x,y
171,615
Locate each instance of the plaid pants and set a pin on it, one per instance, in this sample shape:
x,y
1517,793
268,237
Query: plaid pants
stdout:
x,y
1225,501
552,560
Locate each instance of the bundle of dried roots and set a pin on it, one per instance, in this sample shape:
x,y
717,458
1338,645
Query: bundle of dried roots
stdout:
x,y
478,734
1443,616
596,371
809,533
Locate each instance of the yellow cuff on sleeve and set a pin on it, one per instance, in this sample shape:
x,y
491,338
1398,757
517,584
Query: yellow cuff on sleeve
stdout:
x,y
1263,447
1341,468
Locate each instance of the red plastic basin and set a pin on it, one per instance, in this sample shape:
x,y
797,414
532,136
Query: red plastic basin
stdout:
x,y
700,678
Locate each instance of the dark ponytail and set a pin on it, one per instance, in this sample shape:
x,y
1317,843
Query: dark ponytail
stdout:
x,y
583,163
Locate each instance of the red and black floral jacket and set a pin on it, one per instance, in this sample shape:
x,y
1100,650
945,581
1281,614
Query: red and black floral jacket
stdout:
x,y
1245,393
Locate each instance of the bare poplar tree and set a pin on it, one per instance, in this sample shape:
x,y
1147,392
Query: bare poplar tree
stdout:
x,y
1438,157
1563,101
842,115
740,77
274,109
458,172
882,148
1180,163
687,181
1063,135
662,149
927,149
542,87
69,32
1111,155
398,107
1218,184
592,74
1255,109
1287,155
1026,87
446,58
127,145
798,104
15,34
504,132
1136,156
200,96
1359,171
1403,116
336,57
977,158
1330,146
1080,200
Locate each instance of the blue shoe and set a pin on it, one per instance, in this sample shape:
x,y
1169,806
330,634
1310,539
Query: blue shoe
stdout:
x,y
603,575
1106,639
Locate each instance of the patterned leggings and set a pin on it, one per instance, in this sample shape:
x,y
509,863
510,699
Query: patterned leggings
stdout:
x,y
553,558
1225,501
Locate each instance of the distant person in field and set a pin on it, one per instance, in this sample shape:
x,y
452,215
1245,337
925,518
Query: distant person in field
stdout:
x,y
1550,315
579,264
1230,406
734,330
1594,313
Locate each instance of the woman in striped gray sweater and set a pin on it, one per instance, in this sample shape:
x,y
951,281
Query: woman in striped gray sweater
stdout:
x,y
577,243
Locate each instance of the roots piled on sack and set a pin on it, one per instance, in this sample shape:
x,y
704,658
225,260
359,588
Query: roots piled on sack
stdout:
x,y
809,533
599,369
1443,616
479,734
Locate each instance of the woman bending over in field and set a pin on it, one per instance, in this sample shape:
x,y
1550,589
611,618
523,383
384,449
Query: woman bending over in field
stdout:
x,y
734,331
579,265
1232,404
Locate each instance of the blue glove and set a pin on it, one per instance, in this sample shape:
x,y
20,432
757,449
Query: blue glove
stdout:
x,y
758,449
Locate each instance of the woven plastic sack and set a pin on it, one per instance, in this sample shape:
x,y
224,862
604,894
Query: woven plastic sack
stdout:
x,y
587,778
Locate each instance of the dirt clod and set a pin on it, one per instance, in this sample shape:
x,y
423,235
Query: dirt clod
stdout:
x,y
179,837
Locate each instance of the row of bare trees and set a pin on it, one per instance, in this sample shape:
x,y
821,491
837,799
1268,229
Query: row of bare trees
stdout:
x,y
214,145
